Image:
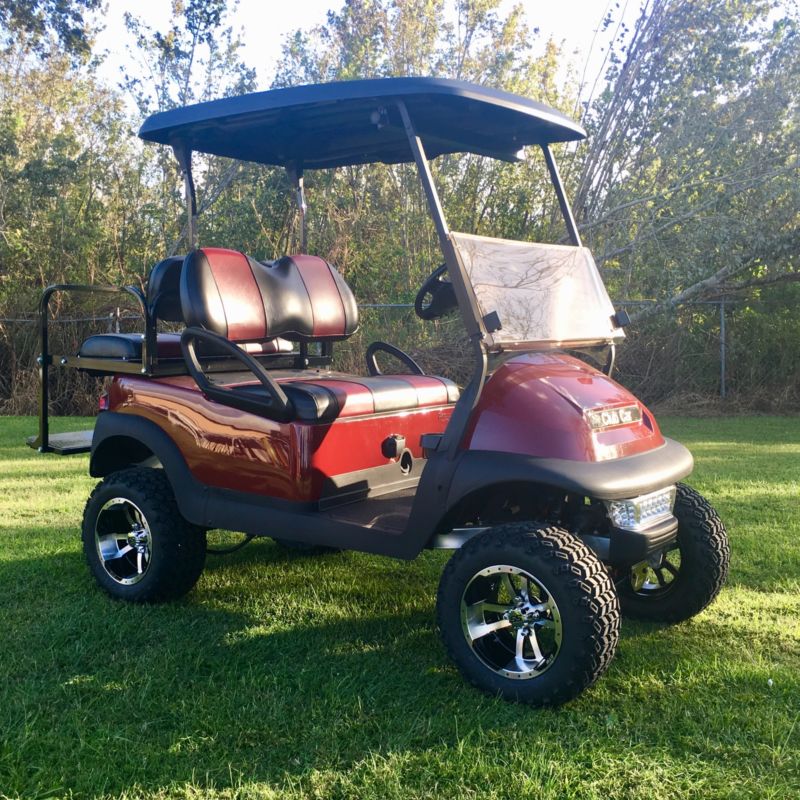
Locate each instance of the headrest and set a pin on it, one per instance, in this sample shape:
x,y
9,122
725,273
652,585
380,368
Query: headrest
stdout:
x,y
301,298
163,289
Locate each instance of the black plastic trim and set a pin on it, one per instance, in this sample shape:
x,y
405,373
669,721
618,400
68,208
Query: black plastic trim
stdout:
x,y
363,484
615,479
631,547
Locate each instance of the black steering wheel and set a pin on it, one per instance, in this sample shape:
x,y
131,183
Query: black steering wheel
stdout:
x,y
442,296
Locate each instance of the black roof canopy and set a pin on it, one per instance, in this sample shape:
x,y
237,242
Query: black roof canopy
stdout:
x,y
357,122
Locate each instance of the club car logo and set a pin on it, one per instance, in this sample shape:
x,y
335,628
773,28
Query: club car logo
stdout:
x,y
600,418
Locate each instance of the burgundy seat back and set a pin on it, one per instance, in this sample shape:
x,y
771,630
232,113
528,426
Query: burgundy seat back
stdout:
x,y
300,298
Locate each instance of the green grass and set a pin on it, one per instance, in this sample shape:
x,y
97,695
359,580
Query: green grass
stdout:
x,y
287,676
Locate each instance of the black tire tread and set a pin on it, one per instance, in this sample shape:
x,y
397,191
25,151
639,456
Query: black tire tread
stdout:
x,y
590,586
183,544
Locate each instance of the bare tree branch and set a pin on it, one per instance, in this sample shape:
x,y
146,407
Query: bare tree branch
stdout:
x,y
757,283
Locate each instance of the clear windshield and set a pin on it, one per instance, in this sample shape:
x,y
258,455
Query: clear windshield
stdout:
x,y
546,295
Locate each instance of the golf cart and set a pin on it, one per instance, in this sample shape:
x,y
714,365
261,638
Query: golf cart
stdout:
x,y
550,482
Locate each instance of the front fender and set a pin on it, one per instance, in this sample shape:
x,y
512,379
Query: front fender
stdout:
x,y
445,484
615,479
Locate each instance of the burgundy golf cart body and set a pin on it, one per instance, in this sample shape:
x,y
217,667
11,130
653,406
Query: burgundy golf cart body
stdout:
x,y
256,433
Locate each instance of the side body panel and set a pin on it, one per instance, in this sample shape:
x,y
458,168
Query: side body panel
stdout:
x,y
231,449
240,471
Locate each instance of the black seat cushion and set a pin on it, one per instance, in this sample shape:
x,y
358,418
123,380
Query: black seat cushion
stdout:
x,y
334,395
128,346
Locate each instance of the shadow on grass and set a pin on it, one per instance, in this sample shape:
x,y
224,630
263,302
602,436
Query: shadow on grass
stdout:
x,y
279,665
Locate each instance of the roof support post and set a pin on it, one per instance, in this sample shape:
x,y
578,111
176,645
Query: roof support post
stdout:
x,y
461,285
184,157
296,179
425,176
558,185
467,303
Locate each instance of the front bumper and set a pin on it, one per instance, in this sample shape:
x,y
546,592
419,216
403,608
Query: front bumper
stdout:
x,y
623,547
631,547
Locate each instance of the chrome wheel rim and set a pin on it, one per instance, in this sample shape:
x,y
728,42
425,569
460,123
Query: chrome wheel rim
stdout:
x,y
511,621
123,541
657,575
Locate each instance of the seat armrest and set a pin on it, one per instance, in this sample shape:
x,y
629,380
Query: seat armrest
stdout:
x,y
277,406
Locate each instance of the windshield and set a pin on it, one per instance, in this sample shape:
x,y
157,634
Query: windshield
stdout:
x,y
546,295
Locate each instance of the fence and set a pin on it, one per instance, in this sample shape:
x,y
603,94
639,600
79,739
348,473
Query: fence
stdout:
x,y
720,309
690,355
662,358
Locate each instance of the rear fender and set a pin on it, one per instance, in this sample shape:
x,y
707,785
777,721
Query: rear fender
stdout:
x,y
126,440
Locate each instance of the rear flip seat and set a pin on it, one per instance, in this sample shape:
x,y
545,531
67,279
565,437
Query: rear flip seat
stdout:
x,y
128,346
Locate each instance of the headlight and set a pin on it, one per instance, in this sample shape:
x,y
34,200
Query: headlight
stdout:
x,y
641,512
599,418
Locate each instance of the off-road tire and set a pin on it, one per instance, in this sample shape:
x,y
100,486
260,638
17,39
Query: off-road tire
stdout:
x,y
705,557
577,581
178,548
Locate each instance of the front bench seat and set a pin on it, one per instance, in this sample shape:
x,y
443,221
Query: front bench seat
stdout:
x,y
300,298
327,398
163,303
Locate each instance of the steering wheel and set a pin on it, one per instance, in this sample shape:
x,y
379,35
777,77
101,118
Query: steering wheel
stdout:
x,y
442,296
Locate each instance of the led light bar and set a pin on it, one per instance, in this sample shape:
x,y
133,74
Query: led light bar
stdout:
x,y
641,512
599,418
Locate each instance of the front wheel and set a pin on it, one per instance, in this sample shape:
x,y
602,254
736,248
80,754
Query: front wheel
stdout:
x,y
528,612
138,546
681,582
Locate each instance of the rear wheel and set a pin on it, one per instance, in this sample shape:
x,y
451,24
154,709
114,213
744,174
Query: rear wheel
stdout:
x,y
138,546
528,612
679,583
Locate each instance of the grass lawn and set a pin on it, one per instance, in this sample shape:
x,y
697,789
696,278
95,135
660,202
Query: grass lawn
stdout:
x,y
288,676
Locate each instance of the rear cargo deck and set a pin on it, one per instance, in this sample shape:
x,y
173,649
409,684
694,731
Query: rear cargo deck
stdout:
x,y
65,444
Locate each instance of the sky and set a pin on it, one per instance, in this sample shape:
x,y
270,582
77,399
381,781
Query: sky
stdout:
x,y
266,23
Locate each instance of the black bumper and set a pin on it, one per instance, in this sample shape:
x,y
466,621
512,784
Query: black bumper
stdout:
x,y
625,548
631,547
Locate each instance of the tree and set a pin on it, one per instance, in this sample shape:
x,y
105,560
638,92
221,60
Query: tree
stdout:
x,y
689,187
72,182
198,58
37,19
371,216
